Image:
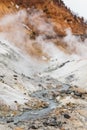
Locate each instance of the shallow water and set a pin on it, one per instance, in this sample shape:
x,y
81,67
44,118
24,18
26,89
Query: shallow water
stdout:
x,y
43,95
35,114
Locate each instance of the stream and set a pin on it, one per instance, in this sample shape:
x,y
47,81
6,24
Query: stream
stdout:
x,y
38,113
44,95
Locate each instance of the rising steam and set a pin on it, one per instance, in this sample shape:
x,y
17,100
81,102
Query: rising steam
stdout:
x,y
29,30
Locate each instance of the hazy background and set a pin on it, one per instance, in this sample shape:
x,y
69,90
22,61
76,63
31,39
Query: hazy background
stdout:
x,y
78,6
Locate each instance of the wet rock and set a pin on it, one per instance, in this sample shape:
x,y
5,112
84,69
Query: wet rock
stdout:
x,y
10,120
68,91
39,85
44,95
63,64
67,116
34,126
15,76
15,101
78,94
47,79
55,94
2,76
52,122
29,77
3,81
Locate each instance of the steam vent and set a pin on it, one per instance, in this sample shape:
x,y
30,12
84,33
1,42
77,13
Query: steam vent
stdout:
x,y
43,66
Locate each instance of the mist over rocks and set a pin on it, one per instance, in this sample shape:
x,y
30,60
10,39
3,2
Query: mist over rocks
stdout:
x,y
43,78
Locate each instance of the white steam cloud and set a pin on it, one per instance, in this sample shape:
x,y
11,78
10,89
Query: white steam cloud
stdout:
x,y
18,28
75,45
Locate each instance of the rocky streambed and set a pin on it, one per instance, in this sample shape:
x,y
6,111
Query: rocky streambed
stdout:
x,y
41,97
48,103
59,109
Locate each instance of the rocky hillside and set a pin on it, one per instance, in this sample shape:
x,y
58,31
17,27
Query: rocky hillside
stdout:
x,y
43,63
35,18
53,10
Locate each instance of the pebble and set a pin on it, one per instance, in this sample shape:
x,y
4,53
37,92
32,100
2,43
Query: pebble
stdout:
x,y
78,94
52,122
66,116
10,120
34,126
